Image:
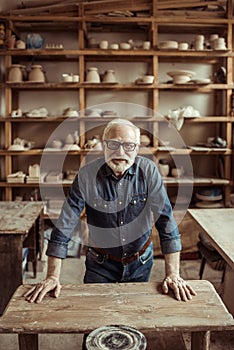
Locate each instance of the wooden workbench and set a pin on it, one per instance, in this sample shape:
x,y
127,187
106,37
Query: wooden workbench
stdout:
x,y
20,226
85,307
218,226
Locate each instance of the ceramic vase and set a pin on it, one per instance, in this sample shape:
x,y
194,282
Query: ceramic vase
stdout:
x,y
93,75
36,74
109,76
15,73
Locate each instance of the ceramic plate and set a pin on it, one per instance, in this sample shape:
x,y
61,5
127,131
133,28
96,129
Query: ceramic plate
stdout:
x,y
204,204
201,81
143,83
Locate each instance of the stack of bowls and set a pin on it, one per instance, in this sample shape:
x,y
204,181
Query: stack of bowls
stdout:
x,y
199,42
220,44
209,198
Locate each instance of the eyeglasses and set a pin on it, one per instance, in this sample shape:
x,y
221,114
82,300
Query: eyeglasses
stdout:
x,y
114,145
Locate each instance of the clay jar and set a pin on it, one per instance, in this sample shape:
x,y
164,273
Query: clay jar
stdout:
x,y
109,76
15,73
36,74
11,42
93,75
163,167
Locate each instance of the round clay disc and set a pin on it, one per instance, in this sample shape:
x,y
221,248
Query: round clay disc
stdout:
x,y
116,338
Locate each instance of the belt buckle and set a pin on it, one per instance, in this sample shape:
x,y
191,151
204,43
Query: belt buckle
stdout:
x,y
131,258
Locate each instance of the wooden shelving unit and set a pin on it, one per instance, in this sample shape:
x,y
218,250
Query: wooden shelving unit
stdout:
x,y
160,19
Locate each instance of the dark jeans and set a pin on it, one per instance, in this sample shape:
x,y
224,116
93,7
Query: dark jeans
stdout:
x,y
101,270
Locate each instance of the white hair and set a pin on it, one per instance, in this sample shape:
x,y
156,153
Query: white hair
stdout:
x,y
118,121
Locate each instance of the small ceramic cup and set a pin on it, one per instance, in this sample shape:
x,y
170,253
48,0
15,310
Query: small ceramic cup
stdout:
x,y
148,79
146,45
76,78
183,46
114,46
103,44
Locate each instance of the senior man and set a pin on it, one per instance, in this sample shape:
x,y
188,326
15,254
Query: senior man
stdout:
x,y
120,192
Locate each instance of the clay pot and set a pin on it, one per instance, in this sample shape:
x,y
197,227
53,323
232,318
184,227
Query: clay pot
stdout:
x,y
109,76
145,140
36,74
163,167
11,42
15,73
93,75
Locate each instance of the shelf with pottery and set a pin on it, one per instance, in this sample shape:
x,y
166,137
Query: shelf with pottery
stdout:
x,y
147,150
115,85
201,119
151,27
113,54
169,181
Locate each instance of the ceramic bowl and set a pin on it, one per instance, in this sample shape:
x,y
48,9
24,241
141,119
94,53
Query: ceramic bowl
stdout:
x,y
125,46
168,44
181,76
148,79
114,46
181,79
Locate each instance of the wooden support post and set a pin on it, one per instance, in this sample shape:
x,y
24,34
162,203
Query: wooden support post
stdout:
x,y
28,341
200,340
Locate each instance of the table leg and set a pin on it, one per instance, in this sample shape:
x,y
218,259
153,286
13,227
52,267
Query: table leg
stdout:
x,y
28,341
10,267
200,340
227,294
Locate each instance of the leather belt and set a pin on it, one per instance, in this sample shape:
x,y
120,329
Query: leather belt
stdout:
x,y
128,259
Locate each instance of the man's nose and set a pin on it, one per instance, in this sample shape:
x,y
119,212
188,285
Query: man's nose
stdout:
x,y
120,150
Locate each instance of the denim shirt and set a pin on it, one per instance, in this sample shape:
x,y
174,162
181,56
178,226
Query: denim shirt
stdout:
x,y
120,211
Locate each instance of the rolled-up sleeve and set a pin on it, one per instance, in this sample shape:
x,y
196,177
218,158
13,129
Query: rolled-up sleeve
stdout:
x,y
165,223
67,222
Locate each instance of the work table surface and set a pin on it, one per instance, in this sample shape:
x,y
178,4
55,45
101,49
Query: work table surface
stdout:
x,y
82,308
18,217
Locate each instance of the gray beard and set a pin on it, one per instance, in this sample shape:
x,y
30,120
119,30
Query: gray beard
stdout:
x,y
119,168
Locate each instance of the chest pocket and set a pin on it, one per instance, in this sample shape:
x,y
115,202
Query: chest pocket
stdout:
x,y
137,203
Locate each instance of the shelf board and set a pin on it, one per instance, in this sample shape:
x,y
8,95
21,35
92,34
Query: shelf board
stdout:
x,y
35,152
135,119
210,119
143,151
188,151
193,86
64,86
104,53
39,120
169,181
114,86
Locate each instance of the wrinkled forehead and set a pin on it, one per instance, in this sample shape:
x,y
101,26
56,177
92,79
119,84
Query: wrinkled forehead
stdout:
x,y
122,132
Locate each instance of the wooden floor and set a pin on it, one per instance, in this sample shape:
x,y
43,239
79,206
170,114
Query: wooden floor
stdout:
x,y
72,272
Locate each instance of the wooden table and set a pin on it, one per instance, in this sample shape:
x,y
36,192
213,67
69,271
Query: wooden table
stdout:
x,y
85,307
20,225
218,226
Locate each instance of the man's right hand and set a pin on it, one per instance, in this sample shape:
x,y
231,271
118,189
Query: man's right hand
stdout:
x,y
37,293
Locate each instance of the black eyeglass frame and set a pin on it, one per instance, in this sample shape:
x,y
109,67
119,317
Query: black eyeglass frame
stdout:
x,y
123,144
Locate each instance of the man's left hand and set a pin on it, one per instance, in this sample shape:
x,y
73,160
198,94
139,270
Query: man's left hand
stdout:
x,y
182,290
